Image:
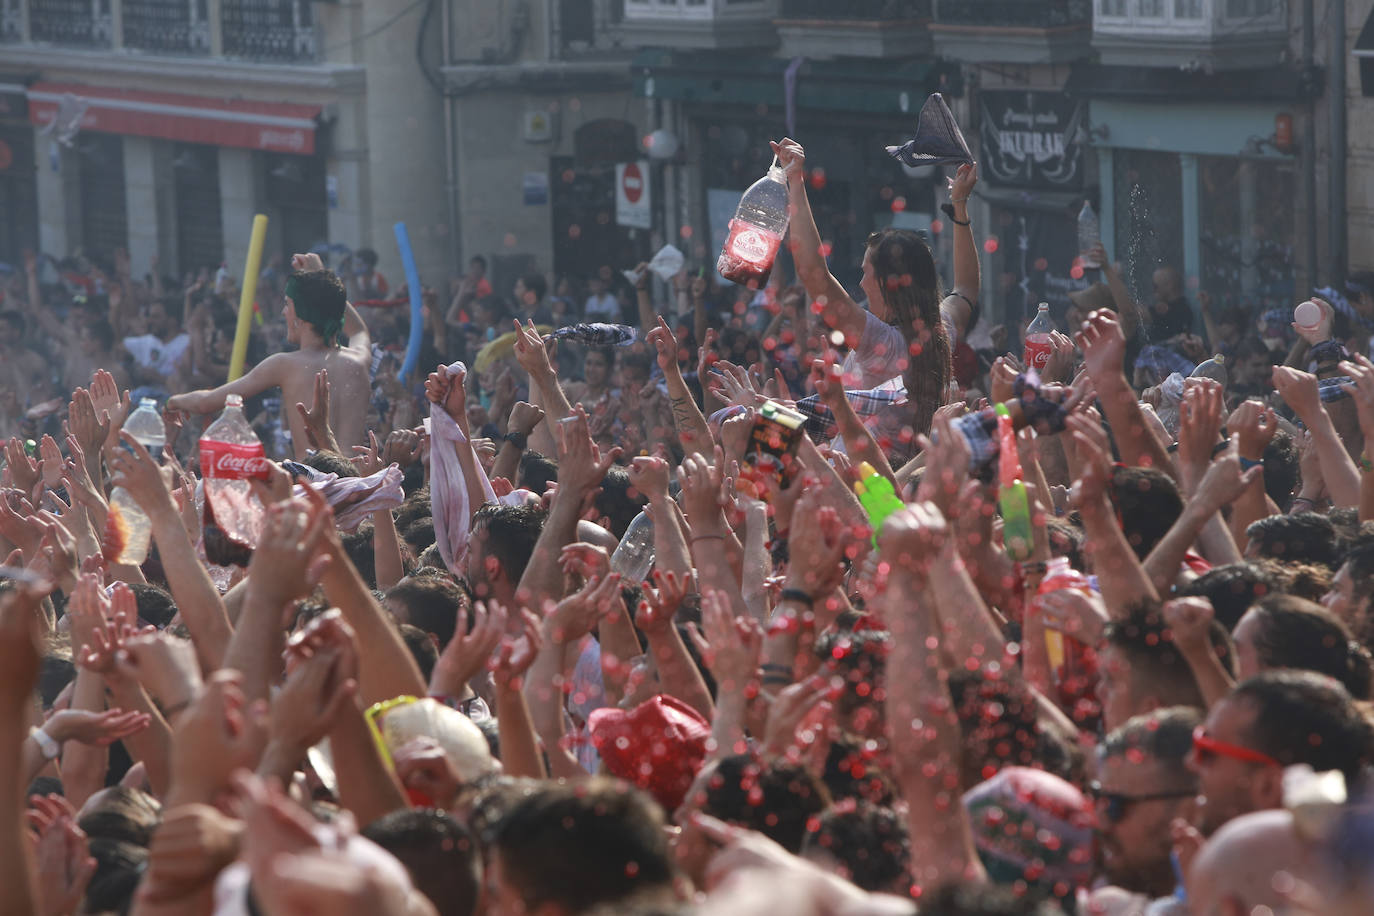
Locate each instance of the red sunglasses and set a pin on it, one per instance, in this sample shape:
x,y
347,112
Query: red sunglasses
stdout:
x,y
1206,747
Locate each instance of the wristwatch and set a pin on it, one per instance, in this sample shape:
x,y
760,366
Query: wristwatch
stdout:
x,y
47,745
517,439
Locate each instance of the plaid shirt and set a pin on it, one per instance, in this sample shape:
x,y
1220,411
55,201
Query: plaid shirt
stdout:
x,y
868,404
1330,388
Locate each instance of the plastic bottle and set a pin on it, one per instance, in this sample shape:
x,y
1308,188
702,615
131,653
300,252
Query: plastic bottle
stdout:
x,y
877,496
127,528
231,455
1089,236
1060,575
757,231
1038,347
634,555
1214,368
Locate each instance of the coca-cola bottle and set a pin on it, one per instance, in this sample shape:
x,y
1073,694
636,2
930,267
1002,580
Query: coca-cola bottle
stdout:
x,y
757,230
230,456
1038,339
1074,675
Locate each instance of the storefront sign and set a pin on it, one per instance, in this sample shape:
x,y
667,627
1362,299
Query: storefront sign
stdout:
x,y
1031,140
270,126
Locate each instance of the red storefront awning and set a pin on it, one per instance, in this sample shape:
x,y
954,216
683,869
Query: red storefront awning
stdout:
x,y
273,126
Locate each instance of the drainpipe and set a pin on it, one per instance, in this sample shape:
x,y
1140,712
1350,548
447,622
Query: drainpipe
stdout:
x,y
1309,140
1337,210
455,232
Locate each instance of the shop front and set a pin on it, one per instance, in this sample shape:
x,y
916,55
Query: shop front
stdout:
x,y
1204,182
18,188
1033,173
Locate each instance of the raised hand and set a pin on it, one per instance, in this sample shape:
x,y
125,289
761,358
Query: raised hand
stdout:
x,y
1104,347
1200,416
660,605
1189,621
1361,390
530,352
191,846
791,155
1224,480
817,548
649,475
98,729
316,417
913,537
581,466
796,703
309,703
65,866
368,458
514,656
577,615
138,473
585,561
732,645
703,487
403,447
307,262
665,346
109,403
446,389
24,471
1254,423
468,654
290,558
165,665
219,733
1299,390
90,428
50,463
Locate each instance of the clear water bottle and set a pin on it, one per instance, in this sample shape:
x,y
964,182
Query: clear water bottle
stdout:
x,y
1214,368
757,231
1038,346
634,555
1089,235
231,455
127,528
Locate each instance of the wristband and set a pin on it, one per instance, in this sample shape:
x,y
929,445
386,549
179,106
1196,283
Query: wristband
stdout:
x,y
47,744
517,439
1365,464
799,596
1246,464
1032,568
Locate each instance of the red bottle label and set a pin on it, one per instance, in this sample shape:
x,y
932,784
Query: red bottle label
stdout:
x,y
223,461
747,257
1037,354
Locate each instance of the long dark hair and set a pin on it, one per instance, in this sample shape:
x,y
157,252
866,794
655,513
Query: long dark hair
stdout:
x,y
910,286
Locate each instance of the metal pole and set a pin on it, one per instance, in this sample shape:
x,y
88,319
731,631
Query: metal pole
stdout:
x,y
1309,142
455,234
1336,205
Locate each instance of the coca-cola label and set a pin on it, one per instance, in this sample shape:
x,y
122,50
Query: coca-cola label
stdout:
x,y
1037,354
751,243
223,461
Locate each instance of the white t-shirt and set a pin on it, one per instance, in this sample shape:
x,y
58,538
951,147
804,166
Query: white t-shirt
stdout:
x,y
880,355
150,352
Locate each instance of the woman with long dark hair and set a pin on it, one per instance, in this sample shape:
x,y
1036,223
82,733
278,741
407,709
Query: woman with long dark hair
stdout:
x,y
905,331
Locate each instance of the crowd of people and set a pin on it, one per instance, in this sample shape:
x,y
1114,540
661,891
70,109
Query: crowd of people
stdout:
x,y
566,622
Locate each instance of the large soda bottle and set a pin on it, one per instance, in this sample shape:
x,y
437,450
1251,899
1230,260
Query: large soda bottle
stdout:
x,y
1089,235
127,529
634,555
230,456
757,230
1037,354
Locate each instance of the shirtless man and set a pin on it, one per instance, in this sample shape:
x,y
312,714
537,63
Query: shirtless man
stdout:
x,y
315,311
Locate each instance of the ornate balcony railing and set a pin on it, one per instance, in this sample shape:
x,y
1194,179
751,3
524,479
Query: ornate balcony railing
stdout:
x,y
167,26
857,10
270,30
85,23
1039,14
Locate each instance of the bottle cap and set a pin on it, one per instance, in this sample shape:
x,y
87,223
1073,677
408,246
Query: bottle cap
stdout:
x,y
866,470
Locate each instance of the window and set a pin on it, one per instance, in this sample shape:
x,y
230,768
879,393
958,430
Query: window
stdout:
x,y
1187,9
1152,9
1115,8
1249,9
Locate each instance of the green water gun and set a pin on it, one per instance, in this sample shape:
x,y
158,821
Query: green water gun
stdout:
x,y
1017,534
877,496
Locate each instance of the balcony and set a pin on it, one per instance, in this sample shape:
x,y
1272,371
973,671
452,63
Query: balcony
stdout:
x,y
700,24
279,31
1013,31
1198,35
167,26
823,29
79,23
267,31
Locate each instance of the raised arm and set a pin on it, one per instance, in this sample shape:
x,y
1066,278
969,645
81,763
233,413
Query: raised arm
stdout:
x,y
1299,389
688,420
958,306
355,329
266,374
1104,352
804,241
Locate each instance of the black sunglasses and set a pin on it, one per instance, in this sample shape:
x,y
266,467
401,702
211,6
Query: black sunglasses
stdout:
x,y
1119,804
